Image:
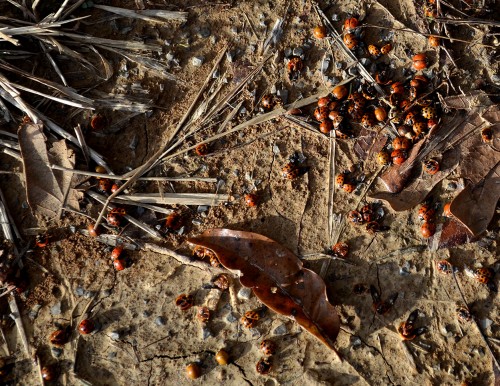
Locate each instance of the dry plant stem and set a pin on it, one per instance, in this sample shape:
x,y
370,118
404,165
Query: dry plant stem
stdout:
x,y
183,259
123,178
83,144
16,315
332,149
154,208
39,370
210,199
130,219
151,15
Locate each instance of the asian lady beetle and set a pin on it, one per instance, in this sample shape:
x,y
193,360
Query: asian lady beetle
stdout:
x,y
374,226
482,275
221,282
444,266
202,149
428,229
434,41
380,114
368,120
355,217
379,306
203,314
419,61
184,301
214,261
386,48
340,179
319,32
222,357
349,187
407,329
264,366
326,126
369,92
321,113
117,251
431,166
405,131
487,135
86,326
340,92
350,24
419,127
368,213
119,264
49,373
383,158
383,78
373,50
93,230
401,143
267,101
463,314
410,118
340,249
290,171
395,99
251,200
432,123
356,114
250,319
115,217
413,93
350,41
426,213
358,99
41,241
419,81
268,347
174,221
114,187
430,12
193,371
397,88
294,67
429,112
59,337
98,122
335,117
324,101
104,185
399,156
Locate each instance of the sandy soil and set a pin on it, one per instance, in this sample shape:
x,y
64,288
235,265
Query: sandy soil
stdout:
x,y
144,338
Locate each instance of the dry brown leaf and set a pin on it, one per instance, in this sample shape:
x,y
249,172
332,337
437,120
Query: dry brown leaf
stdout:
x,y
454,233
420,187
277,278
61,155
43,190
369,142
475,206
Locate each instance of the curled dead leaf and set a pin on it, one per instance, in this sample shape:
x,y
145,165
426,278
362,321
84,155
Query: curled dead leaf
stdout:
x,y
277,278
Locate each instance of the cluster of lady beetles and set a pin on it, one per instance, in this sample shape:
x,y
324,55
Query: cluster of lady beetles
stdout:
x,y
407,330
368,215
427,214
484,275
119,261
205,253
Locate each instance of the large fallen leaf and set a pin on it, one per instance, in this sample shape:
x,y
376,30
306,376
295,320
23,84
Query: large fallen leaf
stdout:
x,y
277,278
369,142
45,194
454,233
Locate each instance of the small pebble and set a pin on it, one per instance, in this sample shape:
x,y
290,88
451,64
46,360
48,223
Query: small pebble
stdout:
x,y
89,294
79,291
365,62
114,335
405,269
56,352
206,333
325,64
106,292
34,311
495,79
202,208
451,186
298,51
485,323
244,293
234,30
353,71
335,17
56,309
112,354
255,333
231,317
213,39
280,330
197,61
288,52
197,222
146,314
339,65
159,321
355,341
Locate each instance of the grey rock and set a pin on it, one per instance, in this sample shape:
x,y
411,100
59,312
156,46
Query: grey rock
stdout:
x,y
56,352
79,291
89,294
106,292
335,17
339,65
298,51
283,94
216,74
112,355
485,323
202,208
231,317
206,333
197,61
495,78
146,314
365,61
353,71
204,32
197,222
159,321
325,64
280,330
115,335
333,80
451,186
288,52
234,30
244,293
56,309
255,333
169,56
355,341
34,311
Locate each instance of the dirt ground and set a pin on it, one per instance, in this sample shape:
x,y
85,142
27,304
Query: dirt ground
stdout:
x,y
143,337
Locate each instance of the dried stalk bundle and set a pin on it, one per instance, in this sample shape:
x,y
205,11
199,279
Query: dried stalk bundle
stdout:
x,y
152,15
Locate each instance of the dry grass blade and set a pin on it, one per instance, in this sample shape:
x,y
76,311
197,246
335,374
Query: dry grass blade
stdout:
x,y
110,43
151,15
11,94
100,198
176,198
16,315
468,21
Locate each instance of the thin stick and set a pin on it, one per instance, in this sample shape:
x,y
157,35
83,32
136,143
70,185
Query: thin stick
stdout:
x,y
123,178
16,315
83,144
183,259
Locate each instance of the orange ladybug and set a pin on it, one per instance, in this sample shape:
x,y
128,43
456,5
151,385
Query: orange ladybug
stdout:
x,y
487,135
373,50
290,171
264,366
397,88
117,251
42,241
319,32
267,101
383,158
348,187
251,200
174,221
294,67
419,127
350,24
98,122
434,41
250,319
350,41
321,113
386,48
429,112
419,61
326,126
431,166
401,143
184,302
104,185
324,101
399,156
355,217
86,326
119,264
426,213
419,81
340,249
340,179
446,210
444,266
268,347
202,149
428,229
368,120
380,114
340,92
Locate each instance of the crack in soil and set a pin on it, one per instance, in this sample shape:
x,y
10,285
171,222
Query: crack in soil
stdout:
x,y
243,374
175,357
